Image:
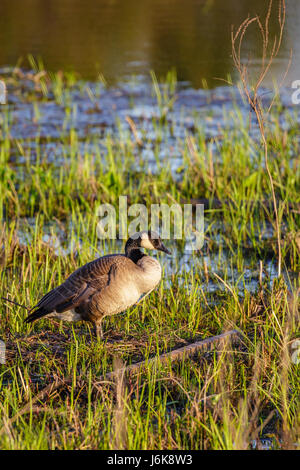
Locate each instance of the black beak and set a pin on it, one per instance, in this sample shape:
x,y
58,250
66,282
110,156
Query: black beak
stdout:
x,y
164,249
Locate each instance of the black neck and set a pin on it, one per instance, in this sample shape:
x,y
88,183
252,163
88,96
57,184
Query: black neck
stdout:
x,y
134,253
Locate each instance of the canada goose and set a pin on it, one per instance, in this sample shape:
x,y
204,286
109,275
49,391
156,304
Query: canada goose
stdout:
x,y
105,286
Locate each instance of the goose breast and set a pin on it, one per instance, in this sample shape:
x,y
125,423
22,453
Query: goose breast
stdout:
x,y
128,284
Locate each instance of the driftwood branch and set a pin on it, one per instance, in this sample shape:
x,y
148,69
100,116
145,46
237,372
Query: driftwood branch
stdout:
x,y
180,353
218,204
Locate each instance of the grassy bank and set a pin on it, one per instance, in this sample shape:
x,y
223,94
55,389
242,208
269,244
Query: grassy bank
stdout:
x,y
52,180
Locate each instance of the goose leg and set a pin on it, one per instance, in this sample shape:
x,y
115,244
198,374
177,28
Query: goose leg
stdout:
x,y
98,329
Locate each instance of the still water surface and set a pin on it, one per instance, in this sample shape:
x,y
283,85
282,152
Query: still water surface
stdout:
x,y
119,38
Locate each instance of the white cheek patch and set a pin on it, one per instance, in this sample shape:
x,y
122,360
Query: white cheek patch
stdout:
x,y
146,243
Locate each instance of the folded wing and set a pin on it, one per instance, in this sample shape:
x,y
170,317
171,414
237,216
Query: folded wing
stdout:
x,y
78,289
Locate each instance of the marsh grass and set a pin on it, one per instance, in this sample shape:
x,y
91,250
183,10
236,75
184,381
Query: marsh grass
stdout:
x,y
225,399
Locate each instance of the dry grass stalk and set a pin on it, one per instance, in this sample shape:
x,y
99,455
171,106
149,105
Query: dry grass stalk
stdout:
x,y
270,50
120,418
134,131
180,353
120,415
3,92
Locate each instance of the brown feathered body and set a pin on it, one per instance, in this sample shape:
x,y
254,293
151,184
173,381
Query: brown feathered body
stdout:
x,y
105,286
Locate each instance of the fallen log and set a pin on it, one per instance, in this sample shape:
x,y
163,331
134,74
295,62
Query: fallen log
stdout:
x,y
180,353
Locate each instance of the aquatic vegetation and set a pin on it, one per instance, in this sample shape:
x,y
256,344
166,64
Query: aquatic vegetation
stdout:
x,y
65,147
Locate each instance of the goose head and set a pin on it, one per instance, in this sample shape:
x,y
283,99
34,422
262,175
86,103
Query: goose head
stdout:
x,y
145,239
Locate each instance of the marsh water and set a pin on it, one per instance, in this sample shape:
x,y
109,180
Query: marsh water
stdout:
x,y
122,41
118,38
93,112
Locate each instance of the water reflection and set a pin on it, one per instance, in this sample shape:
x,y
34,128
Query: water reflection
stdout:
x,y
119,38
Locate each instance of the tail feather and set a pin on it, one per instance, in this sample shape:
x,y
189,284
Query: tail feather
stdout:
x,y
39,313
